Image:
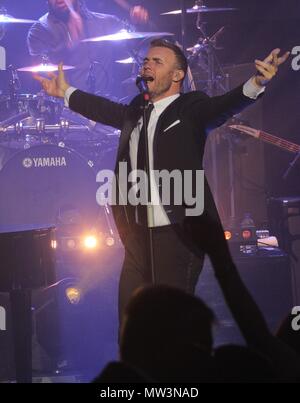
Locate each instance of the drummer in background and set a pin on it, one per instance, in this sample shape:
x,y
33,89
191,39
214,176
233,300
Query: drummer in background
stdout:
x,y
58,34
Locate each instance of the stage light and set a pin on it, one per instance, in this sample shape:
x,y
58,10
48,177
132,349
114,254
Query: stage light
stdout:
x,y
228,235
246,234
110,241
71,244
54,244
74,295
90,242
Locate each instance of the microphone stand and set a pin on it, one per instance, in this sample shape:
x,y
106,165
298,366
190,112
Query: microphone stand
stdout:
x,y
183,34
150,213
183,25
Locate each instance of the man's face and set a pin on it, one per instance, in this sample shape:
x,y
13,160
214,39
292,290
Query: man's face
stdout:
x,y
161,65
61,5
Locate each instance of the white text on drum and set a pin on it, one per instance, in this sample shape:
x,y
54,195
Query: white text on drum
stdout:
x,y
44,162
296,59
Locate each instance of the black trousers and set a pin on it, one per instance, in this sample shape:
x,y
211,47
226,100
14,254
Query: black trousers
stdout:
x,y
179,254
176,262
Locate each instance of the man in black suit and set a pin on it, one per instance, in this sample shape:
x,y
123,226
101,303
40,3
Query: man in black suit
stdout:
x,y
177,130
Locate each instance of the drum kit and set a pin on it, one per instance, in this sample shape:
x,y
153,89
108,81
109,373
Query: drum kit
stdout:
x,y
41,136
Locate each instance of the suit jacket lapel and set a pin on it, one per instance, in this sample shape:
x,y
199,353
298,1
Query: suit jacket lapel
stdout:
x,y
129,125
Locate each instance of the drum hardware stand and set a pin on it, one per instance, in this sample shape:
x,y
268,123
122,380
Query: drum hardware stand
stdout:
x,y
3,11
291,166
183,25
91,79
14,87
12,121
207,45
45,59
40,128
14,83
183,40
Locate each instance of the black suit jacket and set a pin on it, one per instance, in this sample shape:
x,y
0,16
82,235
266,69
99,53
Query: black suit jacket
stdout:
x,y
181,147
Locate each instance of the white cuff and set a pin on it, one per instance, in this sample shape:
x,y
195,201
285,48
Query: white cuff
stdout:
x,y
251,90
68,93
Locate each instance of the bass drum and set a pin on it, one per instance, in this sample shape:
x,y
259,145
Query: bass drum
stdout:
x,y
48,184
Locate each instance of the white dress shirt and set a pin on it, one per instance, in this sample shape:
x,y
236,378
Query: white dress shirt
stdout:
x,y
160,217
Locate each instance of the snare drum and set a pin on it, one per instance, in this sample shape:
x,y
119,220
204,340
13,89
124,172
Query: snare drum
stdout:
x,y
38,106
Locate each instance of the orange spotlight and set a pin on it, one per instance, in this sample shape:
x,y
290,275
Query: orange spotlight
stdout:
x,y
228,235
73,295
90,242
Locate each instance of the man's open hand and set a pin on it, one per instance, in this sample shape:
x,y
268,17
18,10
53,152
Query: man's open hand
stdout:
x,y
56,85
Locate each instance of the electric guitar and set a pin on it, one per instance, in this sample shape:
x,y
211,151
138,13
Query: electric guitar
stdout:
x,y
268,138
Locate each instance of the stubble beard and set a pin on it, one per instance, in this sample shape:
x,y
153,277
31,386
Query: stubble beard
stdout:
x,y
162,88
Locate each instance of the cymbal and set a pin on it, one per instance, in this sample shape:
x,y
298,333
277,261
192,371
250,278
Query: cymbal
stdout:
x,y
125,35
44,68
200,9
129,81
8,19
129,60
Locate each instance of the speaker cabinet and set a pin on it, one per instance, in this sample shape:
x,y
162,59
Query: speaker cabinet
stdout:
x,y
284,217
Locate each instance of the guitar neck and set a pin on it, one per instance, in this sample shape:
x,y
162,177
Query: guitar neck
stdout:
x,y
277,141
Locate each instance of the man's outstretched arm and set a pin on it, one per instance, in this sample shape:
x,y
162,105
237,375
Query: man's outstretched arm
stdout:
x,y
93,107
219,109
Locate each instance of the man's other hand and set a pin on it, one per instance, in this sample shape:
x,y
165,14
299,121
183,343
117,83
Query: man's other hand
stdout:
x,y
268,68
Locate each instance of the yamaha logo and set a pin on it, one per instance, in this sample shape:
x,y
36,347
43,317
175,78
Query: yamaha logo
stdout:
x,y
27,163
43,162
